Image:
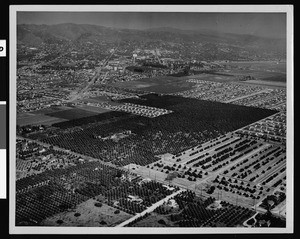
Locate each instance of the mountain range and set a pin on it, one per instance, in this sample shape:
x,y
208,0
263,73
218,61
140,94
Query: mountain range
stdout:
x,y
34,35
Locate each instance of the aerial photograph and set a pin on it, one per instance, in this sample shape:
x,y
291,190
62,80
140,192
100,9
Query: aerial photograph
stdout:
x,y
151,119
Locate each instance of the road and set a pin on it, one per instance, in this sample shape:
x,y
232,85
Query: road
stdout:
x,y
94,79
91,82
150,209
245,96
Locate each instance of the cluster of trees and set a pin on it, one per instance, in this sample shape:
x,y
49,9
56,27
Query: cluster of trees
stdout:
x,y
255,165
148,192
225,154
229,216
269,217
65,188
43,202
195,212
192,122
52,191
275,199
184,171
239,188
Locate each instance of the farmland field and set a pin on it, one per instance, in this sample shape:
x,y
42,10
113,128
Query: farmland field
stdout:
x,y
36,119
51,109
55,191
264,70
165,84
260,65
94,109
221,77
72,114
191,122
96,99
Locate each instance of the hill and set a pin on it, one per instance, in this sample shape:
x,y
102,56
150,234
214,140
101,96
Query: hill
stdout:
x,y
212,41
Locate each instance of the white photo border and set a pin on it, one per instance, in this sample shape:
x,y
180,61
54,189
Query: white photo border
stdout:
x,y
288,9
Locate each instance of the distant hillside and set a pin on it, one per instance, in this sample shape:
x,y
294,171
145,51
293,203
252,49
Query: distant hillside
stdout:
x,y
36,34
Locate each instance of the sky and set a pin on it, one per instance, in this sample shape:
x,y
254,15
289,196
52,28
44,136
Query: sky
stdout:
x,y
271,25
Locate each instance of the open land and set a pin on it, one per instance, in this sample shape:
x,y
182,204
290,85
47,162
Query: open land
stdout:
x,y
166,84
88,215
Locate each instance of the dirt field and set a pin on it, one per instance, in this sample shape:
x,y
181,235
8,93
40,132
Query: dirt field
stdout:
x,y
90,216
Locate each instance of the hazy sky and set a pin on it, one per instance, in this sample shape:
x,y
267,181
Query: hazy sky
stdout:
x,y
262,24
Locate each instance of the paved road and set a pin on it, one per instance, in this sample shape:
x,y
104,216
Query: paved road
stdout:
x,y
245,96
94,79
150,209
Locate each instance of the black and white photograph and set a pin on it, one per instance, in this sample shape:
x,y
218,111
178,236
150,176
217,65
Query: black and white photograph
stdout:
x,y
151,119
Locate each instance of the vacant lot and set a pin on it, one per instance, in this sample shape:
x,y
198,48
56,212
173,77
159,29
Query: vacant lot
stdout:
x,y
88,216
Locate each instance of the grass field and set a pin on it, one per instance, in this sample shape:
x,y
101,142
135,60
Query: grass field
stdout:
x,y
100,98
152,221
51,110
36,119
264,71
90,216
72,114
165,84
94,109
57,114
214,77
261,65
